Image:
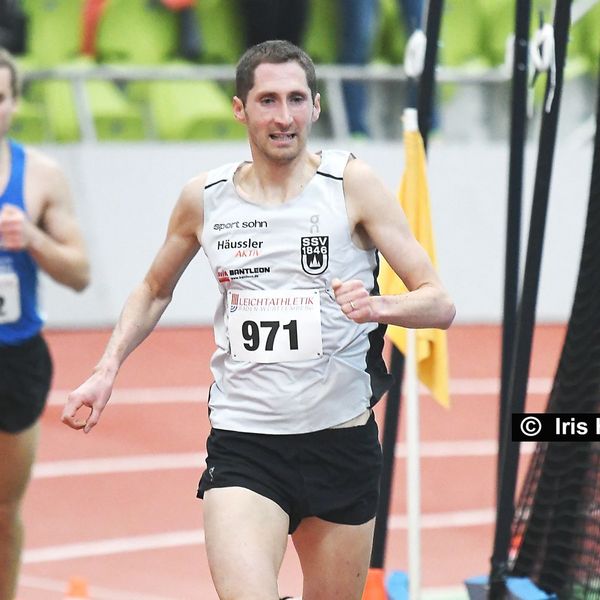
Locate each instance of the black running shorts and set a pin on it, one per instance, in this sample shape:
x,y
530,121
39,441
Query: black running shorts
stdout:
x,y
332,474
25,375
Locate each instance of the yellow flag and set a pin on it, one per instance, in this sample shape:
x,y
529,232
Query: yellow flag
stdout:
x,y
431,344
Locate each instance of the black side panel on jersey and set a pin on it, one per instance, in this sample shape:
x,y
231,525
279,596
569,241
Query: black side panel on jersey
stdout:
x,y
381,380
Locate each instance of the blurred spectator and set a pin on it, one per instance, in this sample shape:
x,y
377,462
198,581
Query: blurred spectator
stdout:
x,y
359,19
13,23
359,25
274,19
412,13
92,13
190,40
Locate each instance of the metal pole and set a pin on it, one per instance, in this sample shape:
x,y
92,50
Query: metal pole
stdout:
x,y
390,431
518,125
526,313
427,81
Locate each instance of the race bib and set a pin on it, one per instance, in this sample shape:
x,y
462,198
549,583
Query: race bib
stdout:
x,y
274,326
10,298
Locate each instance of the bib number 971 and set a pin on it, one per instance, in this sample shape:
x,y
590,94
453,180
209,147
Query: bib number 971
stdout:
x,y
251,332
274,326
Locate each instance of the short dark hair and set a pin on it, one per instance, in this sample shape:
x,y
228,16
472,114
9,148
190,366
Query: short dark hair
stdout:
x,y
7,60
272,51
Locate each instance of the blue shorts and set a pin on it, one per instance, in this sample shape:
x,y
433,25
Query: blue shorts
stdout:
x,y
25,376
333,474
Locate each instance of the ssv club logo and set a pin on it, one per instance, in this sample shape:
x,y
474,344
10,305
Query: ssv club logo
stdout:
x,y
314,251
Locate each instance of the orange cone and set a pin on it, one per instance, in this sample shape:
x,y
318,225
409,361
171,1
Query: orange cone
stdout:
x,y
77,589
375,587
515,545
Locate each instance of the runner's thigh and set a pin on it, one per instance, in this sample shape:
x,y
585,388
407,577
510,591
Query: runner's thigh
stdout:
x,y
334,558
246,538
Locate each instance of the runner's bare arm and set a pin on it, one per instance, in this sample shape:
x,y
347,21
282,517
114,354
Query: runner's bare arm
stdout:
x,y
50,231
378,220
144,307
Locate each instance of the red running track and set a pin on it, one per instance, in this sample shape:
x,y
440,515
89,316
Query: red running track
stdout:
x,y
118,506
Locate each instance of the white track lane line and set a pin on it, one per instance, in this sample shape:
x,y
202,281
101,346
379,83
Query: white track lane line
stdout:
x,y
171,539
195,537
447,520
98,593
175,394
118,464
195,460
144,395
102,593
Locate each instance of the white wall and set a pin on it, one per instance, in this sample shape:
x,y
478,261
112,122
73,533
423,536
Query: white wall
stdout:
x,y
124,194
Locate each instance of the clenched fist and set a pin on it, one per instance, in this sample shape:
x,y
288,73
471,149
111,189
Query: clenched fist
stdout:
x,y
14,228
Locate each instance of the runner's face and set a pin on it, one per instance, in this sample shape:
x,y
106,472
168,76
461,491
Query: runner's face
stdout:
x,y
8,103
279,111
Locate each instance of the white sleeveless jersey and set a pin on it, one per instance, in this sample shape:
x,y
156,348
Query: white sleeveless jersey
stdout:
x,y
288,360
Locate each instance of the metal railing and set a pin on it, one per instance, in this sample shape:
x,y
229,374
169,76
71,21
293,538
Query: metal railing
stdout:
x,y
330,77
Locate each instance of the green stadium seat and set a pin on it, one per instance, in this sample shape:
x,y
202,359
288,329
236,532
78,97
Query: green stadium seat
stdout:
x,y
584,43
28,124
54,29
54,39
497,24
461,32
322,31
221,30
192,110
136,32
460,40
116,118
390,38
58,100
